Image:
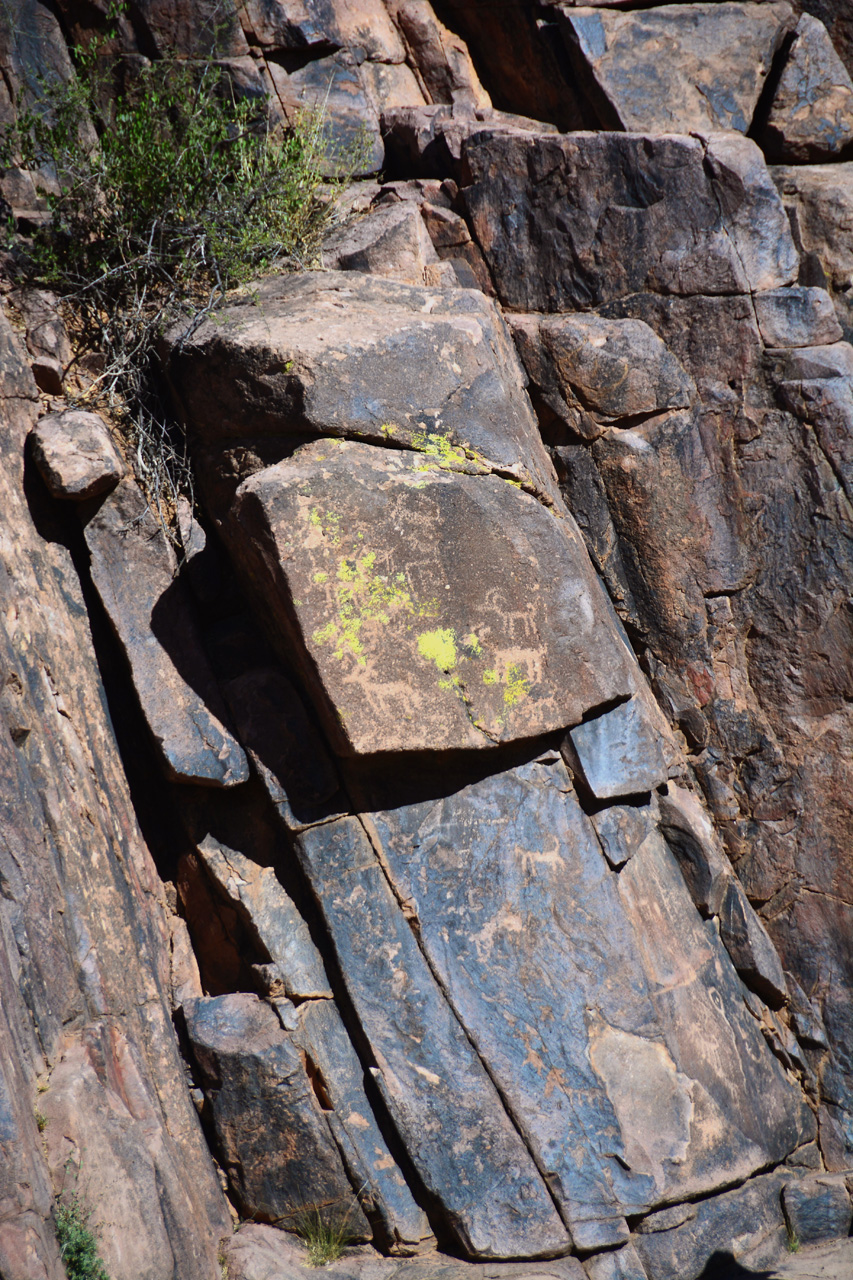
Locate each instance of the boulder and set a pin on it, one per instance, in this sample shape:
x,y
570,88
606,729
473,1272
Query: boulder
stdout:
x,y
484,1186
676,68
75,455
442,59
429,609
819,202
817,1208
796,317
275,1142
333,87
314,25
427,142
273,916
571,222
342,354
620,752
592,372
811,115
390,241
622,829
744,1226
133,569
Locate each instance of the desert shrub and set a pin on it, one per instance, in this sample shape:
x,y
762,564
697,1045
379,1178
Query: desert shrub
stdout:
x,y
78,1244
163,194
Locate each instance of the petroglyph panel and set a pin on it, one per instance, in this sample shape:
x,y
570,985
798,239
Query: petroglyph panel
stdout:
x,y
431,609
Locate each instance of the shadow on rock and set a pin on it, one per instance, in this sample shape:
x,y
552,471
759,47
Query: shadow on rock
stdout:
x,y
723,1266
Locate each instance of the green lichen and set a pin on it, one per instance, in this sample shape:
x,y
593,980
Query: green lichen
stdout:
x,y
490,677
439,646
320,577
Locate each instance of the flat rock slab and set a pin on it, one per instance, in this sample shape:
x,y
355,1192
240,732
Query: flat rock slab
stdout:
x,y
316,1028
431,609
133,569
811,116
75,454
473,1164
343,354
605,1009
571,221
678,67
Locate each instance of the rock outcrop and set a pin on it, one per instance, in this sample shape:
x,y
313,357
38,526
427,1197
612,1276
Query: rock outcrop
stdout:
x,y
452,843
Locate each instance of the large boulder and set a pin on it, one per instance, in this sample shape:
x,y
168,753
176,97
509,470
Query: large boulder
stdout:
x,y
429,609
676,68
343,354
569,222
811,115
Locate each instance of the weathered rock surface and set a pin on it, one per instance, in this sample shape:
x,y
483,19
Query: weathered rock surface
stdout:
x,y
84,938
590,371
133,568
819,203
75,454
676,68
621,1264
564,1077
429,609
796,317
570,222
817,1208
742,1228
390,241
620,752
811,115
484,1185
275,1142
316,1028
340,354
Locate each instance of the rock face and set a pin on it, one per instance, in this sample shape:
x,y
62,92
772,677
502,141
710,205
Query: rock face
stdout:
x,y
570,222
87,1039
677,68
491,735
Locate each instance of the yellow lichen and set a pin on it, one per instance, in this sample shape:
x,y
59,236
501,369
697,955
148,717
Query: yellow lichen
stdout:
x,y
439,646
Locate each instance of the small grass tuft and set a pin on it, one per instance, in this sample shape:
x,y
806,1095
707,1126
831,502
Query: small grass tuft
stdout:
x,y
40,1119
324,1233
78,1244
793,1242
